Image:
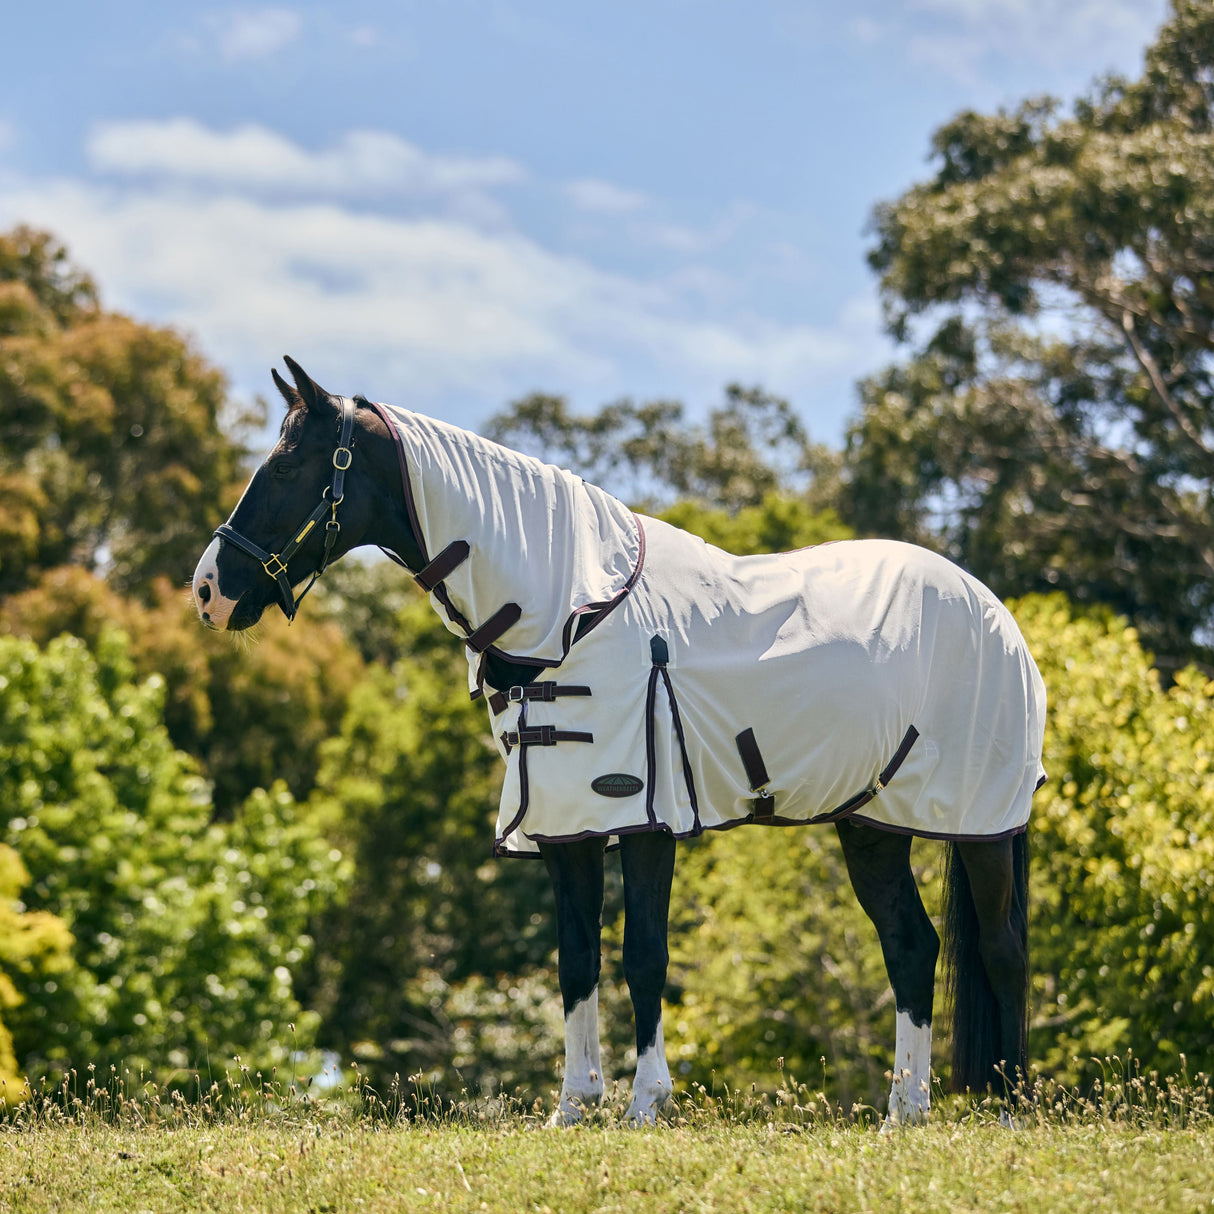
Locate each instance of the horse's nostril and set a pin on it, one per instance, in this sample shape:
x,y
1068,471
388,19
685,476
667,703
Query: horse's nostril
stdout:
x,y
204,593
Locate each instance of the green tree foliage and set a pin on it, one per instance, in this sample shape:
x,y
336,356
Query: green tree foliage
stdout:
x,y
185,933
111,455
31,942
775,524
410,791
1054,425
750,446
1123,849
250,714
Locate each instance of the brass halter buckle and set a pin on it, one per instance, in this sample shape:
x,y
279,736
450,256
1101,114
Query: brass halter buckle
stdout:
x,y
274,566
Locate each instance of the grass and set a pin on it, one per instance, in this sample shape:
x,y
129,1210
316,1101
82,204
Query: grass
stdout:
x,y
1130,1143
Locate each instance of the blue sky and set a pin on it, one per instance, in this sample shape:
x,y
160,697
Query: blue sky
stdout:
x,y
449,204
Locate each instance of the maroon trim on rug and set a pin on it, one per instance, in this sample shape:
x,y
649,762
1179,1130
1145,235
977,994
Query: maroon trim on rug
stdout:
x,y
410,504
524,794
651,749
849,807
688,778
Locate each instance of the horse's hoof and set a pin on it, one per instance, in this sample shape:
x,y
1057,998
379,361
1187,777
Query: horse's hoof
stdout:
x,y
571,1109
1007,1121
641,1115
895,1122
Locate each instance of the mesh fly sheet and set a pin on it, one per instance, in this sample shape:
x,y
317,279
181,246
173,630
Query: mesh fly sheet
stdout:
x,y
678,687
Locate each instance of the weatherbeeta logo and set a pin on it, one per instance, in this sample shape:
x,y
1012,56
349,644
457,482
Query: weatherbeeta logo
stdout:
x,y
617,785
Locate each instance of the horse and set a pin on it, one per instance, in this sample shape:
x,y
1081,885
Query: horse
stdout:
x,y
869,685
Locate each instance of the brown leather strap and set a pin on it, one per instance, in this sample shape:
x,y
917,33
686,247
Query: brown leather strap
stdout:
x,y
764,805
503,619
542,735
443,565
891,769
544,692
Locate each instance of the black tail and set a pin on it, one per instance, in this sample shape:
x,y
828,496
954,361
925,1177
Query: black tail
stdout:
x,y
977,1043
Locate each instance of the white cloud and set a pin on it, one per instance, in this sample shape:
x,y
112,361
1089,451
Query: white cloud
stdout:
x,y
429,312
590,194
253,158
255,34
967,32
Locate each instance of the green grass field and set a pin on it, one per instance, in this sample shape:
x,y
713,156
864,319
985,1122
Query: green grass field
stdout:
x,y
512,1168
1136,1145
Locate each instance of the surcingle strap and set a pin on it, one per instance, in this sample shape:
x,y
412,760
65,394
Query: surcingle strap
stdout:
x,y
543,692
443,565
764,806
503,619
543,735
891,769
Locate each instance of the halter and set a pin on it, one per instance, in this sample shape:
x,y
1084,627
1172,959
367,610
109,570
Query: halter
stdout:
x,y
275,564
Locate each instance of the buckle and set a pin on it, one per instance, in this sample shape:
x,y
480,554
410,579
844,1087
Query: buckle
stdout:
x,y
349,458
762,793
876,788
515,695
274,560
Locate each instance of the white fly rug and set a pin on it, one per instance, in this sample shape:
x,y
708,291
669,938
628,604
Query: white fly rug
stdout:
x,y
866,679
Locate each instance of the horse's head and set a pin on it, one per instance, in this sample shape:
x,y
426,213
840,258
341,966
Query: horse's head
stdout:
x,y
306,505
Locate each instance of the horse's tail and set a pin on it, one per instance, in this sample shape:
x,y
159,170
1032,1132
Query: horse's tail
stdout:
x,y
977,1052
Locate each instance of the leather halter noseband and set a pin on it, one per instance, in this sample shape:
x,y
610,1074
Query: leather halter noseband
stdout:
x,y
275,564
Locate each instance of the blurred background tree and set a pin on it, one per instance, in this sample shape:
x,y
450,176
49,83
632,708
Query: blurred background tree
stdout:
x,y
112,456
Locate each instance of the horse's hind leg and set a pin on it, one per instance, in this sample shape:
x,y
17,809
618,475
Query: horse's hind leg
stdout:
x,y
576,870
878,863
648,865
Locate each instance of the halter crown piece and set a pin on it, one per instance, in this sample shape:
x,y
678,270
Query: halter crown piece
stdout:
x,y
275,563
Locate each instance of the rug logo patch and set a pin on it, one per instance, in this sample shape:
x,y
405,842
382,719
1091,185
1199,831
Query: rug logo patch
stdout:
x,y
617,784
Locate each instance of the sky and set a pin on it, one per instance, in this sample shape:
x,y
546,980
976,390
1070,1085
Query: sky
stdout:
x,y
447,204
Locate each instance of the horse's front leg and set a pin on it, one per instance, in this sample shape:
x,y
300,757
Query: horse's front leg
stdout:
x,y
576,870
648,867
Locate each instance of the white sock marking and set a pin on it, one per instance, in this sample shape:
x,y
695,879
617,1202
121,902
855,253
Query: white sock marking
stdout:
x,y
652,1084
583,1084
910,1093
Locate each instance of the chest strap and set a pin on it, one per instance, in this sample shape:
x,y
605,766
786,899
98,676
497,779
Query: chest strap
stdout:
x,y
503,619
543,735
543,692
443,565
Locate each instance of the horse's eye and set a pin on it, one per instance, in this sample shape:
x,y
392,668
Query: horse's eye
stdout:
x,y
282,470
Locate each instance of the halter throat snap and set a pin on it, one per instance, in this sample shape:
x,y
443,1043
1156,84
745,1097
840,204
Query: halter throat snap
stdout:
x,y
275,563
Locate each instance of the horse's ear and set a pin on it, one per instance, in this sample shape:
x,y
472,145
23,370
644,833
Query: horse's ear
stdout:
x,y
313,395
293,399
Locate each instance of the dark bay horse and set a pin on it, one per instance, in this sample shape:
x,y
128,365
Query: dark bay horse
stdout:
x,y
862,668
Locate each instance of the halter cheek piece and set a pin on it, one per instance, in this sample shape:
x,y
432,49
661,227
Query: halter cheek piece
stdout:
x,y
275,564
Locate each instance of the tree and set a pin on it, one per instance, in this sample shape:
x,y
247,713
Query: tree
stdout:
x,y
31,942
750,446
111,455
186,934
1054,425
250,714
